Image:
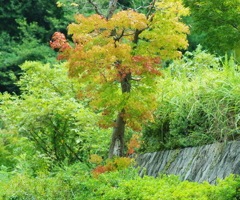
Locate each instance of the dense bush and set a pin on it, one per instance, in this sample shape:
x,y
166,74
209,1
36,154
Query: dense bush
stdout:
x,y
49,114
198,103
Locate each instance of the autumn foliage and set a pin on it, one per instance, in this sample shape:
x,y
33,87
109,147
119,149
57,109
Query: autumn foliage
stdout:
x,y
117,163
118,60
133,144
129,44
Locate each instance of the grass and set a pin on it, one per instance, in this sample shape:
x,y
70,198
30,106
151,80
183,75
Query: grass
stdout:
x,y
198,104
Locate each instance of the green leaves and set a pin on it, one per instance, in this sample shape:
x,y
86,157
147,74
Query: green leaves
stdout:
x,y
198,103
218,20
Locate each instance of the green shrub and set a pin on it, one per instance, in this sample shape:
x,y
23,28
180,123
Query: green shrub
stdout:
x,y
68,183
75,182
49,114
171,188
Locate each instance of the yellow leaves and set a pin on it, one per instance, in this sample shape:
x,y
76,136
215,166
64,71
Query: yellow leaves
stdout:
x,y
87,25
59,4
167,33
122,52
95,159
81,39
74,4
124,23
128,19
173,7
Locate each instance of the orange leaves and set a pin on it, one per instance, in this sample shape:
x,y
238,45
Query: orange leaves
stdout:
x,y
118,163
147,64
60,42
138,58
133,144
98,170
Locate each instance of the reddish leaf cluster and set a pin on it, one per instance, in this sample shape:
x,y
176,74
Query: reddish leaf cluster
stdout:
x,y
98,170
148,63
60,42
133,144
118,163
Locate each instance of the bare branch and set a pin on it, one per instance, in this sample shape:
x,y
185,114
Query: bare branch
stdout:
x,y
96,8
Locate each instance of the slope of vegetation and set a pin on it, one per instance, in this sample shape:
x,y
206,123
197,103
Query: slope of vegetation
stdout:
x,y
74,182
198,103
51,146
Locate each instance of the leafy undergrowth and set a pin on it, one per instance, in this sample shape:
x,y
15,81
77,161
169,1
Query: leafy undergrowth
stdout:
x,y
76,182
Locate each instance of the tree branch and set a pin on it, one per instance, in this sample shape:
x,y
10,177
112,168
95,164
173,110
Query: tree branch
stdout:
x,y
112,8
74,153
96,8
152,5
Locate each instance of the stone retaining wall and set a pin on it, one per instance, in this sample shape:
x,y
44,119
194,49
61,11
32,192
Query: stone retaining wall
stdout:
x,y
198,164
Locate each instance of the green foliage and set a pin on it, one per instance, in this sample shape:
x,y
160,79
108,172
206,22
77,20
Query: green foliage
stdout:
x,y
194,38
229,188
24,31
193,63
39,14
18,154
219,22
71,7
48,113
46,131
73,182
171,188
67,183
198,103
13,54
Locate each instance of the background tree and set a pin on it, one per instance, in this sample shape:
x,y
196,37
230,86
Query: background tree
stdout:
x,y
41,12
25,30
218,21
118,57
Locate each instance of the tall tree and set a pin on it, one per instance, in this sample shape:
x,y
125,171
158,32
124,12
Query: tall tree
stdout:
x,y
15,13
118,57
219,21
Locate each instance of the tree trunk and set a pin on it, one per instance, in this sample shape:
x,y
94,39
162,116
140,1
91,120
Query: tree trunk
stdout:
x,y
117,142
112,7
